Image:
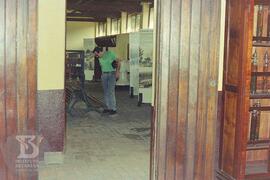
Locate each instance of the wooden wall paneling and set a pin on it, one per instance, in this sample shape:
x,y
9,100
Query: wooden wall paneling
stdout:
x,y
11,94
163,89
32,64
22,65
214,10
202,91
230,106
21,74
186,93
240,135
184,158
2,88
196,104
226,47
172,79
10,74
152,143
17,78
155,122
227,154
243,107
220,112
242,112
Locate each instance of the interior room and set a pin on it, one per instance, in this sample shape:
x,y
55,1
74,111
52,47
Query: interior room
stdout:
x,y
100,145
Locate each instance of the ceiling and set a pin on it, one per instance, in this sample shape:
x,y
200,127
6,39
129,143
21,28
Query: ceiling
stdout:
x,y
99,10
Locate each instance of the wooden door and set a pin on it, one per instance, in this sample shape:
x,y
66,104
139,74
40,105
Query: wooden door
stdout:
x,y
236,89
18,76
186,89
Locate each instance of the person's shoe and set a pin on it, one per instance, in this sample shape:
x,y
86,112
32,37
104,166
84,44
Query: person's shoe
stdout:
x,y
112,112
105,111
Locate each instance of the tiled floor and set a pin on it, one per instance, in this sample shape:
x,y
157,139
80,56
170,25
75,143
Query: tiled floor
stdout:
x,y
104,148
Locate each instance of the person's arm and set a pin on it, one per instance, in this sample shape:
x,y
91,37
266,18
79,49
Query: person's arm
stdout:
x,y
118,64
118,68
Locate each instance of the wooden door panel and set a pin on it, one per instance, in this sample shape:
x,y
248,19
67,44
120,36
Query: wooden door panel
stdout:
x,y
229,131
233,48
186,89
2,86
236,82
18,36
232,73
32,64
10,69
22,64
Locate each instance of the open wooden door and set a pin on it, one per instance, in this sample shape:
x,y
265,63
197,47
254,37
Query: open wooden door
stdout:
x,y
188,37
236,88
18,83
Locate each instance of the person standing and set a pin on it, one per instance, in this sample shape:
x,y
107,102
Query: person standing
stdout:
x,y
110,67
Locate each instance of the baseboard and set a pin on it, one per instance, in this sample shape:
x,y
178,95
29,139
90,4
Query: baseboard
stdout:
x,y
53,158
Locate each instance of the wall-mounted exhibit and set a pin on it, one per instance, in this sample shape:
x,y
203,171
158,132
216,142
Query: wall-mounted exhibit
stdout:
x,y
89,45
141,64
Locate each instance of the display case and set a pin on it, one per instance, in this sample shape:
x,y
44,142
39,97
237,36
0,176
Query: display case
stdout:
x,y
74,65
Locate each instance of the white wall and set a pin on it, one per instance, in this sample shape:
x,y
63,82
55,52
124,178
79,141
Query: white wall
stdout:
x,y
76,32
51,44
121,49
222,36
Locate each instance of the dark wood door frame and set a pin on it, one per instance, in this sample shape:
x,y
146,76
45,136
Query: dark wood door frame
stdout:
x,y
236,91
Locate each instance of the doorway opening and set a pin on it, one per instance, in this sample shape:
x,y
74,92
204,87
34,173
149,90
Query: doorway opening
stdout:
x,y
99,145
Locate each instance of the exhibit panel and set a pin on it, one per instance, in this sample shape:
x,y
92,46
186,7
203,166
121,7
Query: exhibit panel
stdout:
x,y
134,46
89,66
145,66
141,64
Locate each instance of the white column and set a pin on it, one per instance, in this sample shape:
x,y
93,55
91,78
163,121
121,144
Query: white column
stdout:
x,y
124,19
145,14
97,29
109,26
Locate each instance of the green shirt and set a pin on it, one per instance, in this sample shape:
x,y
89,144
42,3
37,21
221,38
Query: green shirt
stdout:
x,y
106,61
